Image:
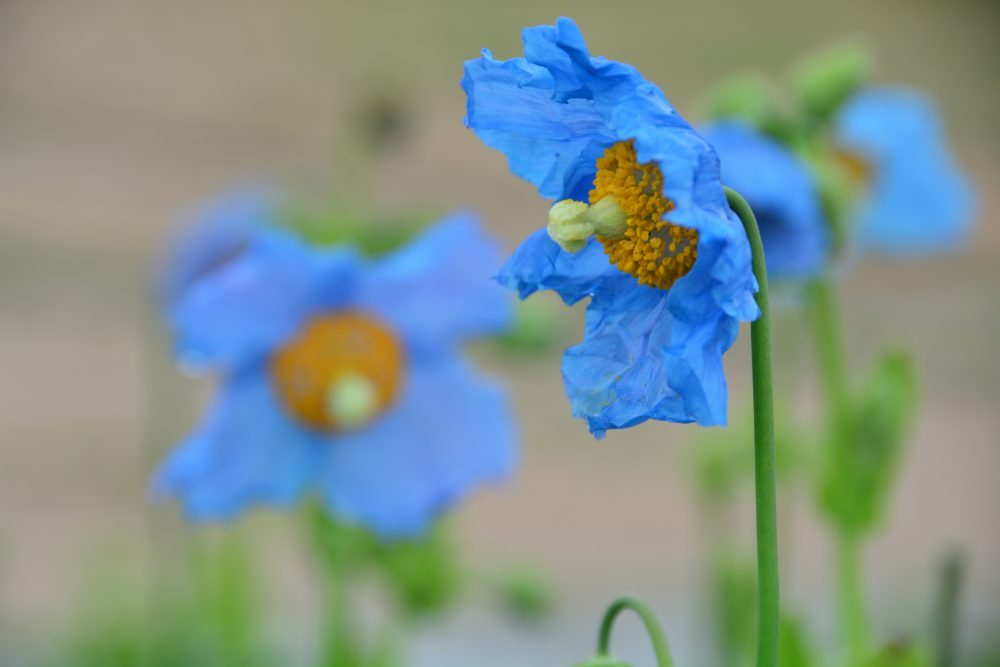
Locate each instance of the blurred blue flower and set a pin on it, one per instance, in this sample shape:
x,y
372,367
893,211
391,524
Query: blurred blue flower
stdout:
x,y
343,376
219,232
916,198
666,296
782,194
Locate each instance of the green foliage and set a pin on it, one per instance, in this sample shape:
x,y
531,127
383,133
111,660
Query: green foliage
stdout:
x,y
603,661
796,648
336,224
734,601
822,83
864,454
422,575
535,330
524,593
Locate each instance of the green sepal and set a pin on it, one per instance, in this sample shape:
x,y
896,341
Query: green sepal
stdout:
x,y
864,458
748,97
824,81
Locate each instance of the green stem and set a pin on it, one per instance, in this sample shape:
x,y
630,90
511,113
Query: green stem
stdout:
x,y
952,574
851,599
852,612
659,640
764,467
338,638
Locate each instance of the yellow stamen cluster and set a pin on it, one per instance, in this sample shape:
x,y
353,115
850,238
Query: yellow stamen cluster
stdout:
x,y
333,352
652,249
854,165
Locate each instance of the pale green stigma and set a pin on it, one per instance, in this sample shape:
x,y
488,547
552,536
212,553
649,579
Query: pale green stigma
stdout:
x,y
572,223
352,400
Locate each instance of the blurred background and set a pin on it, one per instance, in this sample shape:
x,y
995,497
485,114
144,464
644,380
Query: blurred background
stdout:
x,y
118,118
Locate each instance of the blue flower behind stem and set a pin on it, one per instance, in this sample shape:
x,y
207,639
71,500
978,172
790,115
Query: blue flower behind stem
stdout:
x,y
446,431
648,353
782,193
914,198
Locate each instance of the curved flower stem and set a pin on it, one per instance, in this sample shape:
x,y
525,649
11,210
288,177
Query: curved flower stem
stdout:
x,y
660,646
763,423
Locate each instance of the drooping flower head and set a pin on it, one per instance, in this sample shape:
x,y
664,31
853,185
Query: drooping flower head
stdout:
x,y
914,198
782,193
342,376
641,226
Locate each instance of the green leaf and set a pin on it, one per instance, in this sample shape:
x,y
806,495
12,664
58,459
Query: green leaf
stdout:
x,y
824,81
864,457
796,649
423,575
373,235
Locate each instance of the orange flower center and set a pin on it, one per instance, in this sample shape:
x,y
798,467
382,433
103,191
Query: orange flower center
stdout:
x,y
652,249
341,371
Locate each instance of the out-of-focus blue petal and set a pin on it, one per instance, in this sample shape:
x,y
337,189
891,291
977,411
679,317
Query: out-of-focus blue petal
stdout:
x,y
636,362
782,194
449,432
539,263
918,200
219,233
440,288
258,300
246,452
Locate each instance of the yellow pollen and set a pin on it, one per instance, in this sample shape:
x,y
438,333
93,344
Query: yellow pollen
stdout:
x,y
857,168
331,352
652,249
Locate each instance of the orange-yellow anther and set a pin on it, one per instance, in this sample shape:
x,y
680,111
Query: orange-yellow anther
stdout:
x,y
652,249
330,349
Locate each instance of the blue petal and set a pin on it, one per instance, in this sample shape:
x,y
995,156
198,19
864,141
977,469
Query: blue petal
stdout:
x,y
440,287
449,433
554,111
257,300
246,452
918,199
637,362
539,263
220,231
781,192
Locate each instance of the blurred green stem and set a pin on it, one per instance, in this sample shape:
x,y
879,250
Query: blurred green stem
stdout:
x,y
946,622
852,615
832,360
338,638
764,466
660,646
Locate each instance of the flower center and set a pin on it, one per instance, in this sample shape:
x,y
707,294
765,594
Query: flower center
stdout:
x,y
626,215
652,249
855,166
341,371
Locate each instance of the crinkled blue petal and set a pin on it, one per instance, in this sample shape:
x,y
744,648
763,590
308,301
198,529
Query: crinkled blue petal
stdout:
x,y
258,300
556,110
220,232
782,194
440,287
539,264
246,452
637,362
918,200
449,432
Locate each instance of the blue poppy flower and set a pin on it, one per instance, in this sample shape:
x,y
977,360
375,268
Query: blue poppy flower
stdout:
x,y
915,198
782,194
664,260
219,232
342,376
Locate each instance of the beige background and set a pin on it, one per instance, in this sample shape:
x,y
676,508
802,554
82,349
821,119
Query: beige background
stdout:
x,y
116,117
